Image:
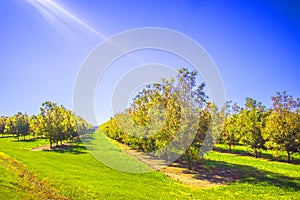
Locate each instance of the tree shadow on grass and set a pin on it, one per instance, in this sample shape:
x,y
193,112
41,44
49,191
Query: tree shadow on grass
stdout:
x,y
22,140
75,147
220,172
26,140
261,155
7,136
72,148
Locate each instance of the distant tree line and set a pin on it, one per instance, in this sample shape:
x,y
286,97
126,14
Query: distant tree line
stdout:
x,y
54,122
254,125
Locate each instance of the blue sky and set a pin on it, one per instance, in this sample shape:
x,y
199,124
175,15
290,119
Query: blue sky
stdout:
x,y
255,45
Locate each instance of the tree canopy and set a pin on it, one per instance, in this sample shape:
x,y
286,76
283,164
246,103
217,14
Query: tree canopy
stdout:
x,y
177,113
53,122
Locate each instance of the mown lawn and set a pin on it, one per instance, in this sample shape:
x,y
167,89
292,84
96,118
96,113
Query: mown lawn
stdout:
x,y
78,175
11,186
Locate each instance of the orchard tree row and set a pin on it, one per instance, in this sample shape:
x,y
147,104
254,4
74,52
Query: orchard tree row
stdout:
x,y
276,128
175,110
54,122
178,111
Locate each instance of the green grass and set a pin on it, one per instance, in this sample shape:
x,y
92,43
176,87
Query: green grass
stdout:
x,y
106,150
77,174
10,185
267,154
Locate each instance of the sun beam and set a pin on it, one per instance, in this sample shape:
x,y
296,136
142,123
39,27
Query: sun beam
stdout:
x,y
56,15
62,20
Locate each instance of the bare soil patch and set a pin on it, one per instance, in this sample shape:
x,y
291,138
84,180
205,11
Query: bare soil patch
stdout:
x,y
200,176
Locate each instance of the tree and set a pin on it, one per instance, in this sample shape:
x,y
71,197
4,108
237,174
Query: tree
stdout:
x,y
251,123
230,132
2,125
58,123
68,131
17,125
22,124
82,127
282,126
51,121
37,126
10,126
54,122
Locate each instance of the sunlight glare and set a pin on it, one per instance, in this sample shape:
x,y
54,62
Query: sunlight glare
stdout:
x,y
56,15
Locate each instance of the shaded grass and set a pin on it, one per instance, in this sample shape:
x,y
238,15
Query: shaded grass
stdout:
x,y
287,169
266,154
73,149
248,174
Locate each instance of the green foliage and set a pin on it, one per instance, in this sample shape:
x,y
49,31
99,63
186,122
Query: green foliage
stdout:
x,y
22,125
160,113
2,125
54,122
17,125
36,126
252,123
10,126
282,127
258,128
230,132
59,124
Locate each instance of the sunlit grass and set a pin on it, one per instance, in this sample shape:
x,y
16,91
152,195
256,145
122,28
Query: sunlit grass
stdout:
x,y
11,186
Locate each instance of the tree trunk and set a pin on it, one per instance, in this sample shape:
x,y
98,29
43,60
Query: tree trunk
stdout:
x,y
256,153
50,144
289,156
167,156
230,147
189,159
